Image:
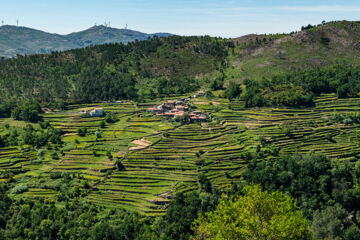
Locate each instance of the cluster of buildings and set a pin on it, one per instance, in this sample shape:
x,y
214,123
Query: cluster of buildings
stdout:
x,y
177,108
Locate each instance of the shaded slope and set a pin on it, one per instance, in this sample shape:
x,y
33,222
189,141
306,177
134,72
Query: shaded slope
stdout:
x,y
22,40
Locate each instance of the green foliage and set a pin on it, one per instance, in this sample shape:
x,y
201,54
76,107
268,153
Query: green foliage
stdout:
x,y
102,124
111,118
138,70
334,222
267,93
6,108
299,88
82,132
346,118
44,124
119,165
205,184
309,26
98,134
317,183
27,111
256,215
182,211
29,135
19,189
233,90
217,83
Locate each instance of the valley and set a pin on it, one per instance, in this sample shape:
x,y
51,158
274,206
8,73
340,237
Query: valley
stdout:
x,y
176,153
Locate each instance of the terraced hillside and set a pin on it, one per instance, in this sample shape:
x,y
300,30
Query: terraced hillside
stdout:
x,y
161,157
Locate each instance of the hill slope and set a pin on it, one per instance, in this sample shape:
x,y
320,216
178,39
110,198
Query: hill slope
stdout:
x,y
256,56
22,40
100,35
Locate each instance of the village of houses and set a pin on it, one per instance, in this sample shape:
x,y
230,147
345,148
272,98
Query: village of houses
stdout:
x,y
178,108
170,109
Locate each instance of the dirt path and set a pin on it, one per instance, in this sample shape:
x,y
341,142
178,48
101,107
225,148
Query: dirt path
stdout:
x,y
142,143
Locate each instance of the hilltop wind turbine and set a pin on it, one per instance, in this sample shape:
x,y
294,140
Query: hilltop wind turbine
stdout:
x,y
2,22
17,22
126,26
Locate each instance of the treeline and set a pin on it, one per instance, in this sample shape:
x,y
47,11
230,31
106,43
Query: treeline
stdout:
x,y
112,71
27,110
300,88
15,136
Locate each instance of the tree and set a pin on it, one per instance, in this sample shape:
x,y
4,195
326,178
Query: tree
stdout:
x,y
233,90
111,118
119,165
334,222
82,132
256,215
181,212
27,111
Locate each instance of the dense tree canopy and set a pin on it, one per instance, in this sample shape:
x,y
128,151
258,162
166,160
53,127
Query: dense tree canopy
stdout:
x,y
318,184
299,88
112,71
256,215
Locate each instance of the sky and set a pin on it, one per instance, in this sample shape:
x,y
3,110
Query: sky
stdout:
x,y
224,18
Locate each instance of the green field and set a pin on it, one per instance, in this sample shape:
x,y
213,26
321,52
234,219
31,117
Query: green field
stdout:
x,y
168,157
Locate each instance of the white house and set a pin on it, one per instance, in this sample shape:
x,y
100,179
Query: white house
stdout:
x,y
97,112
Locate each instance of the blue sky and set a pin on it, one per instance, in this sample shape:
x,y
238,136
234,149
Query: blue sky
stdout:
x,y
226,18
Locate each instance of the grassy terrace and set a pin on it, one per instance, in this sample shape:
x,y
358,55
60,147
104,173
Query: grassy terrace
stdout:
x,y
162,157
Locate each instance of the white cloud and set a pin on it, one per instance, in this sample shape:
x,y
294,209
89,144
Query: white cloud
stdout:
x,y
323,9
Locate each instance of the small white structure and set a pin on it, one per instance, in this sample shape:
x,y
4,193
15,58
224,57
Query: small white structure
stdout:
x,y
97,112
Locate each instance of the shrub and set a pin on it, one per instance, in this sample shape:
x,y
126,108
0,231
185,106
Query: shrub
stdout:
x,y
119,165
98,134
111,118
233,90
85,115
82,132
27,111
19,189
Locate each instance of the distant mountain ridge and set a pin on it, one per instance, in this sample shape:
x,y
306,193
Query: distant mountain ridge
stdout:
x,y
22,40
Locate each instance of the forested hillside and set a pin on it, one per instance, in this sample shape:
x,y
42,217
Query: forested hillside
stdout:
x,y
113,71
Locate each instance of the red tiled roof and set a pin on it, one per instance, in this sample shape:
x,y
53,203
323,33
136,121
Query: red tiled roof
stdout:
x,y
180,113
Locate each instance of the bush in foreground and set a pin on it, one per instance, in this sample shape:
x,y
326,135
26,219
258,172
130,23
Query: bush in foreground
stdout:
x,y
256,215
